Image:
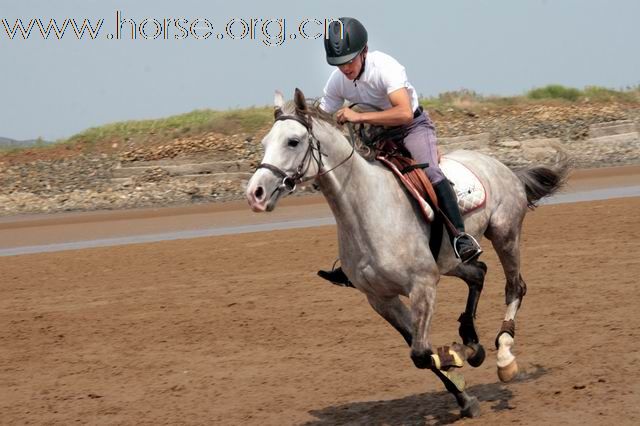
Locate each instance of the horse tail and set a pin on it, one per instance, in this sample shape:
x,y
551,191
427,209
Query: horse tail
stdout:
x,y
542,181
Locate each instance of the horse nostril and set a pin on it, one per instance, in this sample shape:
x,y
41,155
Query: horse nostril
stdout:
x,y
259,193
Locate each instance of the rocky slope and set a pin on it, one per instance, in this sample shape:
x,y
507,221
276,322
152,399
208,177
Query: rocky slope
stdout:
x,y
73,178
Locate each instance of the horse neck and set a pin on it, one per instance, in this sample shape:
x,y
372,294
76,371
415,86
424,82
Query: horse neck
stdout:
x,y
341,185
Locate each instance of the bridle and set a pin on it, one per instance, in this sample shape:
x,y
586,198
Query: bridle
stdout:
x,y
313,153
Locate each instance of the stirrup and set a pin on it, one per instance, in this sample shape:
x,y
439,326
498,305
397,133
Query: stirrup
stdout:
x,y
475,243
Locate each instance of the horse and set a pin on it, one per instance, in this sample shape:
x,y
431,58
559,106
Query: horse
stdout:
x,y
384,241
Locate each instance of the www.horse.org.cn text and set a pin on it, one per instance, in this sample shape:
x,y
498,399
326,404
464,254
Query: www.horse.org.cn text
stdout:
x,y
268,31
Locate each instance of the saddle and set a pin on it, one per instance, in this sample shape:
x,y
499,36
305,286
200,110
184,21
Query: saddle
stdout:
x,y
390,152
411,174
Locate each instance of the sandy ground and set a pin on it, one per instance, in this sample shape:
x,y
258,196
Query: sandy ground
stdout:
x,y
239,330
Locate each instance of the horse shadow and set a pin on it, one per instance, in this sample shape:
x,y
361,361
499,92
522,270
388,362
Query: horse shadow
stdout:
x,y
433,408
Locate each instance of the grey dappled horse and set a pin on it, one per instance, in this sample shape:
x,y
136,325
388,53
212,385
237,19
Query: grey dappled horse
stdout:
x,y
384,240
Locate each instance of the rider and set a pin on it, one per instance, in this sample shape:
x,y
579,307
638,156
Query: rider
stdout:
x,y
378,79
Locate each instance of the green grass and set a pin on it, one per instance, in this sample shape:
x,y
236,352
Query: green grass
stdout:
x,y
555,91
226,122
602,94
589,93
469,100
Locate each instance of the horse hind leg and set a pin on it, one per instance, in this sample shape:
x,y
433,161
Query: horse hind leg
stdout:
x,y
508,250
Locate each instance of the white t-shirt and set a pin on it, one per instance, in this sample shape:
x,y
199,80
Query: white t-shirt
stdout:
x,y
382,75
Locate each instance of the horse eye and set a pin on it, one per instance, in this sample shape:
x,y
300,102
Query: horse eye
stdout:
x,y
293,142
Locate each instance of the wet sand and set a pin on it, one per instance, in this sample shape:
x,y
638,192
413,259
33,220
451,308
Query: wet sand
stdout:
x,y
237,329
41,233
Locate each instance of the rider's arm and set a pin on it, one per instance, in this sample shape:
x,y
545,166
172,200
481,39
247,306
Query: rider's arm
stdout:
x,y
400,112
389,78
331,101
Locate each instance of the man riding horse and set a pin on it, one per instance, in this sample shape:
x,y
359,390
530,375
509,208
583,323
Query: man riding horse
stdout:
x,y
305,144
377,79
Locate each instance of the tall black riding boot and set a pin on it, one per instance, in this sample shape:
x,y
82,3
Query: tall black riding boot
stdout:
x,y
465,246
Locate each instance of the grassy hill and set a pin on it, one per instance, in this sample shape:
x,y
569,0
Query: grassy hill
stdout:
x,y
446,107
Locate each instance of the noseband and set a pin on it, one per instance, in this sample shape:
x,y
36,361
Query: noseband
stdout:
x,y
289,182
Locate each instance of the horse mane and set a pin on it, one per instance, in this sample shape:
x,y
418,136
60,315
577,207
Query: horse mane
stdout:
x,y
313,110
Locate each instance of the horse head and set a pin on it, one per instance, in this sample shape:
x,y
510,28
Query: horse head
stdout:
x,y
291,154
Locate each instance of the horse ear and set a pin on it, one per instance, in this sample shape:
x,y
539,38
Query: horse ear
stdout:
x,y
278,103
299,100
278,100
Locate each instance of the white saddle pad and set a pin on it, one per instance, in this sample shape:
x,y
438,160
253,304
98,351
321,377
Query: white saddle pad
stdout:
x,y
471,193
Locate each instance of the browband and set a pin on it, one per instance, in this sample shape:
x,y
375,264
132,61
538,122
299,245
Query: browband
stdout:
x,y
297,118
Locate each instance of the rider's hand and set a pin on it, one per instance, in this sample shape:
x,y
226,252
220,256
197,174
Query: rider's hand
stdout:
x,y
347,114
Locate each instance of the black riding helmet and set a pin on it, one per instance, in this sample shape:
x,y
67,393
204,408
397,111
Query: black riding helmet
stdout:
x,y
344,44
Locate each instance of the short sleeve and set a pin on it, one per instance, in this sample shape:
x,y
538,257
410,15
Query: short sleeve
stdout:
x,y
332,100
393,76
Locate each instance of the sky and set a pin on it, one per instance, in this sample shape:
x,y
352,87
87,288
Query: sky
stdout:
x,y
53,88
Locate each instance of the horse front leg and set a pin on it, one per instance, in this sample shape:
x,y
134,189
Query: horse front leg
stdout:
x,y
395,312
402,319
423,298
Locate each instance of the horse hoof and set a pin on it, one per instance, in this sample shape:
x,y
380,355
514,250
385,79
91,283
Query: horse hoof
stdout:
x,y
471,408
477,358
508,372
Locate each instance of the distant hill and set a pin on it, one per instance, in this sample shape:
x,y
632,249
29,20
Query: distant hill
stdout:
x,y
12,143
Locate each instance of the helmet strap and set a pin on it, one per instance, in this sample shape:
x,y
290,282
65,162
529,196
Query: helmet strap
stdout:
x,y
364,57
